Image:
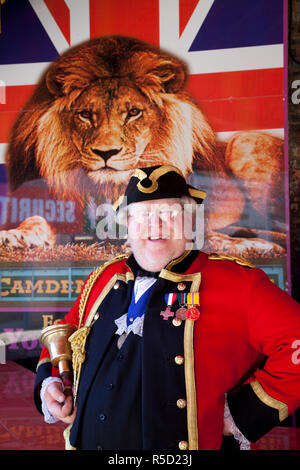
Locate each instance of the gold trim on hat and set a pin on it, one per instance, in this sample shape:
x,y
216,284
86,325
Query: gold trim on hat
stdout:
x,y
153,177
197,193
118,202
157,173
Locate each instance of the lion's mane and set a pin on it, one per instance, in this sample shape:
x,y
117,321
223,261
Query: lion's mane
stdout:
x,y
54,137
41,145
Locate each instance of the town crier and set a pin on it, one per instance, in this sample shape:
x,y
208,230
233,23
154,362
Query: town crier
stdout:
x,y
174,348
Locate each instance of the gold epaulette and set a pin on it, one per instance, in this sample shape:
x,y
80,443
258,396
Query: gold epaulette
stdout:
x,y
91,281
240,261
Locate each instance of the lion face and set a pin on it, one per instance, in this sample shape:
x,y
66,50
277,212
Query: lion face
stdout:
x,y
112,128
108,107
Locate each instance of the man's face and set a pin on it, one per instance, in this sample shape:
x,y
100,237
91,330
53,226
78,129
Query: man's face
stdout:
x,y
158,232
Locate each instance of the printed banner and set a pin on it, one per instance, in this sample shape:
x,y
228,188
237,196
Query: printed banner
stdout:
x,y
91,90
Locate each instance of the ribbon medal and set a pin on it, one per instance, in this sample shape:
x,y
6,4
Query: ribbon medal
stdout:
x,y
181,311
192,312
170,299
187,307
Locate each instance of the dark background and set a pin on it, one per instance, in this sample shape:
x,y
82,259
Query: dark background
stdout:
x,y
294,143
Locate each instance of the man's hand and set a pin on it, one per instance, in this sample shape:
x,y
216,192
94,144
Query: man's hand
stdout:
x,y
58,404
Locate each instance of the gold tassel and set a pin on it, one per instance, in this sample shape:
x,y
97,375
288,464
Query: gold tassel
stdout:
x,y
78,340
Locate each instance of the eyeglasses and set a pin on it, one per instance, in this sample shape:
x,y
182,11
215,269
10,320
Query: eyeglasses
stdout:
x,y
143,217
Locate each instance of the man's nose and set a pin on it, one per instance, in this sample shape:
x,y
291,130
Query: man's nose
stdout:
x,y
154,225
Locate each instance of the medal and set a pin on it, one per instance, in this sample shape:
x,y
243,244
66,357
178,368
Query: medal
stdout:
x,y
176,321
170,299
192,313
181,313
167,313
187,307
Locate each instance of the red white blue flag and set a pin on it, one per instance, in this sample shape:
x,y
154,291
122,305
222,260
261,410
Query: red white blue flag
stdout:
x,y
234,51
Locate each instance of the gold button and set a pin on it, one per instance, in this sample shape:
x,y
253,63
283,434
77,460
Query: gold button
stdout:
x,y
181,286
181,403
176,321
96,316
117,285
183,445
179,360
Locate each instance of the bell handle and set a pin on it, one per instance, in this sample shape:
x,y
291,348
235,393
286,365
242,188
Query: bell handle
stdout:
x,y
66,376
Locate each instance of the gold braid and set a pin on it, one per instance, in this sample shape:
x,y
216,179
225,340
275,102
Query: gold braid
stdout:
x,y
86,292
78,339
240,261
89,285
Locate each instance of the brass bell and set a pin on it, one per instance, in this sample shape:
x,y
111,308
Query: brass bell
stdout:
x,y
55,339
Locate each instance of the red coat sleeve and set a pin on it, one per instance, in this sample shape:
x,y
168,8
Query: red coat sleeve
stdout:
x,y
274,329
273,392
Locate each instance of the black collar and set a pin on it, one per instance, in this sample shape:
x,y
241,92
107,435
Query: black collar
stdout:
x,y
143,273
179,265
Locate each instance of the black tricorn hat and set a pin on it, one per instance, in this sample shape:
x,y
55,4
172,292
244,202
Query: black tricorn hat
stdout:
x,y
157,182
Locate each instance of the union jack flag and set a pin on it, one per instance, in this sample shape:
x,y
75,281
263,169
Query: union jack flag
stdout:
x,y
234,50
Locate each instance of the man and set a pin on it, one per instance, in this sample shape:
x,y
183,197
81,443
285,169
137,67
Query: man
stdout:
x,y
174,348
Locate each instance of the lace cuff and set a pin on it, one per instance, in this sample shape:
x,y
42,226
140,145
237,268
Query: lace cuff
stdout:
x,y
239,437
47,415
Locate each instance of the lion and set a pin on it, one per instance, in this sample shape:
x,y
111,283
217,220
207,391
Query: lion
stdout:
x,y
113,104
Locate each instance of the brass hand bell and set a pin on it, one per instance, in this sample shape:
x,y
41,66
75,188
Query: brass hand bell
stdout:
x,y
55,339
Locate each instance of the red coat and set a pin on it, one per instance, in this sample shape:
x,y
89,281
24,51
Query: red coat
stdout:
x,y
244,343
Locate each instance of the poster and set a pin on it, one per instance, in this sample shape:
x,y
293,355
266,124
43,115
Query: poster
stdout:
x,y
90,90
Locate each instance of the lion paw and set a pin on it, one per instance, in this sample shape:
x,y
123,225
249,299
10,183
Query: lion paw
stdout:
x,y
247,248
32,232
